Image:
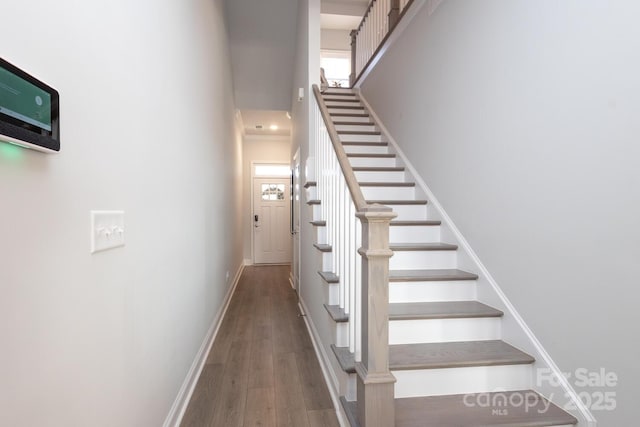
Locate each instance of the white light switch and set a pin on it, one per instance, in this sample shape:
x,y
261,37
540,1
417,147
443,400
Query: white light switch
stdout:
x,y
107,230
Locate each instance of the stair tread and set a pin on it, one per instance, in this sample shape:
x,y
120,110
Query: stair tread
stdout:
x,y
373,143
441,310
347,107
363,114
323,247
310,184
415,223
327,99
337,314
321,223
442,355
387,184
378,169
435,246
398,202
430,275
359,132
451,411
313,202
336,123
374,155
329,276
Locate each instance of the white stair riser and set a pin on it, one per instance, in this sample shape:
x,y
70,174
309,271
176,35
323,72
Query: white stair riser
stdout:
x,y
444,330
410,212
364,119
359,128
327,264
321,234
370,149
389,193
343,95
333,110
352,388
341,338
311,193
361,138
380,176
333,295
346,103
459,290
372,161
437,382
317,212
414,234
414,260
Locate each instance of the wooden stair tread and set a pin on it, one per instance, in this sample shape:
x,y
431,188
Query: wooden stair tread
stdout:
x,y
363,114
374,155
398,202
378,169
435,246
415,223
321,223
323,247
441,310
359,132
455,355
345,358
313,202
451,411
443,355
366,143
329,276
310,184
387,184
341,92
327,99
347,107
430,275
337,123
337,314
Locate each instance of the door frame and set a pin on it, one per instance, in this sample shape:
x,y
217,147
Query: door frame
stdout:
x,y
252,210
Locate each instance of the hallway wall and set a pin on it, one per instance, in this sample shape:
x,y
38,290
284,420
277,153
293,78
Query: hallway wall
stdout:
x,y
522,117
147,126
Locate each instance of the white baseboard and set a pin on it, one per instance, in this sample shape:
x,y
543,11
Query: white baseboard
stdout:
x,y
248,261
325,365
188,386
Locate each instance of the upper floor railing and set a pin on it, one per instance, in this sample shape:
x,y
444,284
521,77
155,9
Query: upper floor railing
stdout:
x,y
379,20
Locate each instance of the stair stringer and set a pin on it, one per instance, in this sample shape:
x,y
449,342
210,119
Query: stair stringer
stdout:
x,y
514,328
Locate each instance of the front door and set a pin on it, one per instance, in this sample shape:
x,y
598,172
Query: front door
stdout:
x,y
271,216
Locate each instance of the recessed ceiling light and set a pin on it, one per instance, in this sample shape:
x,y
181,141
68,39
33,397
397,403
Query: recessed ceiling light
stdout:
x,y
273,127
288,115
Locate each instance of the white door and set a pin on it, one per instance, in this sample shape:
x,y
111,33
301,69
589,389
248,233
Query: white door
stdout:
x,y
271,216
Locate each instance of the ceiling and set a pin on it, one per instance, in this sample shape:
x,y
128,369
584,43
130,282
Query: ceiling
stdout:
x,y
262,41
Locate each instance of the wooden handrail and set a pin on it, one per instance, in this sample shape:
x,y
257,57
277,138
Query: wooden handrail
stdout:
x,y
349,176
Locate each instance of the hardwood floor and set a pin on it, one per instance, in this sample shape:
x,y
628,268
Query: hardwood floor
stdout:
x,y
262,369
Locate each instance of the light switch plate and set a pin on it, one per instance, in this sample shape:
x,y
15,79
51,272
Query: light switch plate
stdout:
x,y
107,230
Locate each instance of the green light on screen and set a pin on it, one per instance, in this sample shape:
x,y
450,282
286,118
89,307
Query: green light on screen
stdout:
x,y
10,151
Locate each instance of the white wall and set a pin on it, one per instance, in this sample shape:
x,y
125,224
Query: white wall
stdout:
x,y
522,117
258,149
335,39
147,127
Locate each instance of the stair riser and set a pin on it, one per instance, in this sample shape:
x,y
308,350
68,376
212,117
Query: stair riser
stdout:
x,y
410,212
317,212
461,290
333,293
407,260
321,234
361,138
334,110
358,128
341,334
378,176
370,149
444,330
389,193
372,161
346,103
414,234
437,382
345,95
326,261
365,119
311,193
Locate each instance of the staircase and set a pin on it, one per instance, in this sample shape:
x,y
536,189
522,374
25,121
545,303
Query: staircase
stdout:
x,y
445,347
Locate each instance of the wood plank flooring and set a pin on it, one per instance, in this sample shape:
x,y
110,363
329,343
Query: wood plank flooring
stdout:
x,y
262,369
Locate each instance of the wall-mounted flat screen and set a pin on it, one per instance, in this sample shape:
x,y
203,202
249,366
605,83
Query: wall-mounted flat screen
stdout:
x,y
29,110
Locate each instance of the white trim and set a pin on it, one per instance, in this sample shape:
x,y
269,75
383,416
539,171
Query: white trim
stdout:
x,y
174,418
329,376
483,272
